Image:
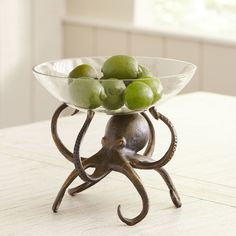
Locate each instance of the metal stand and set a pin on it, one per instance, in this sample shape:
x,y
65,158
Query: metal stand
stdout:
x,y
125,136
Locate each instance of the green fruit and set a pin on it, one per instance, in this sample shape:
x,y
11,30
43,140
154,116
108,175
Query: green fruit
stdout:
x,y
143,71
121,67
138,96
155,85
83,70
86,92
114,89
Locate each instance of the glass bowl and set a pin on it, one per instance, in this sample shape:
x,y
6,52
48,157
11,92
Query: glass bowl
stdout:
x,y
53,75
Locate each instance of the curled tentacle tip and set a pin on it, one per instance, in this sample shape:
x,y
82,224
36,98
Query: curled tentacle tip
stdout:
x,y
118,210
176,199
127,221
75,112
71,193
154,112
54,209
178,205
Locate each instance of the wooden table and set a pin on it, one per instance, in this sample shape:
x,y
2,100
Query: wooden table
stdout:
x,y
203,169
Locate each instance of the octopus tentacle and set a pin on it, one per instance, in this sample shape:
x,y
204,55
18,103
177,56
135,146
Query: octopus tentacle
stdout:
x,y
75,112
166,177
61,193
151,142
80,188
136,159
89,162
83,186
76,155
86,185
127,170
61,147
173,192
169,153
101,170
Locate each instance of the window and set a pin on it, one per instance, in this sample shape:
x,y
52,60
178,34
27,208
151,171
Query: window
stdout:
x,y
209,16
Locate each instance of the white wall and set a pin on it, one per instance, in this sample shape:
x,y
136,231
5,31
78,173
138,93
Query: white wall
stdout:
x,y
15,61
47,45
30,33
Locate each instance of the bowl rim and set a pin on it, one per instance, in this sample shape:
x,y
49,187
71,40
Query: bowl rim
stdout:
x,y
192,69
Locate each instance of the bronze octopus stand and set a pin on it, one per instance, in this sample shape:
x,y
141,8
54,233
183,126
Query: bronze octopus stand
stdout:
x,y
125,135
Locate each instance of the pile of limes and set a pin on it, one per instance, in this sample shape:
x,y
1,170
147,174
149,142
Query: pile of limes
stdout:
x,y
124,82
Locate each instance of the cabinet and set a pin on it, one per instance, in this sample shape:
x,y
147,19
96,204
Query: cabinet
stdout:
x,y
78,40
185,50
219,69
109,42
141,44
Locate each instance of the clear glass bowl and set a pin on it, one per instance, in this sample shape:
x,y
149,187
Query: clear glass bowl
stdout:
x,y
53,75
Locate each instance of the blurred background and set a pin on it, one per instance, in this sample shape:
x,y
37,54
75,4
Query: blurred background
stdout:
x,y
33,31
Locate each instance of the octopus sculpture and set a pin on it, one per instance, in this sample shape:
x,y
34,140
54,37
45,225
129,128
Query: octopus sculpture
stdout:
x,y
125,136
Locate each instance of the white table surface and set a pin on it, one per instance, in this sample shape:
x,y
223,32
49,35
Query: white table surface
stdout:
x,y
203,170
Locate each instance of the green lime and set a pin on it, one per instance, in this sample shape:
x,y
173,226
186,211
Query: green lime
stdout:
x,y
86,92
114,89
143,71
155,85
121,67
83,70
138,96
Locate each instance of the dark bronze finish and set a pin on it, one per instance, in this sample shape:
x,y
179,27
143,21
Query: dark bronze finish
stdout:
x,y
125,136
